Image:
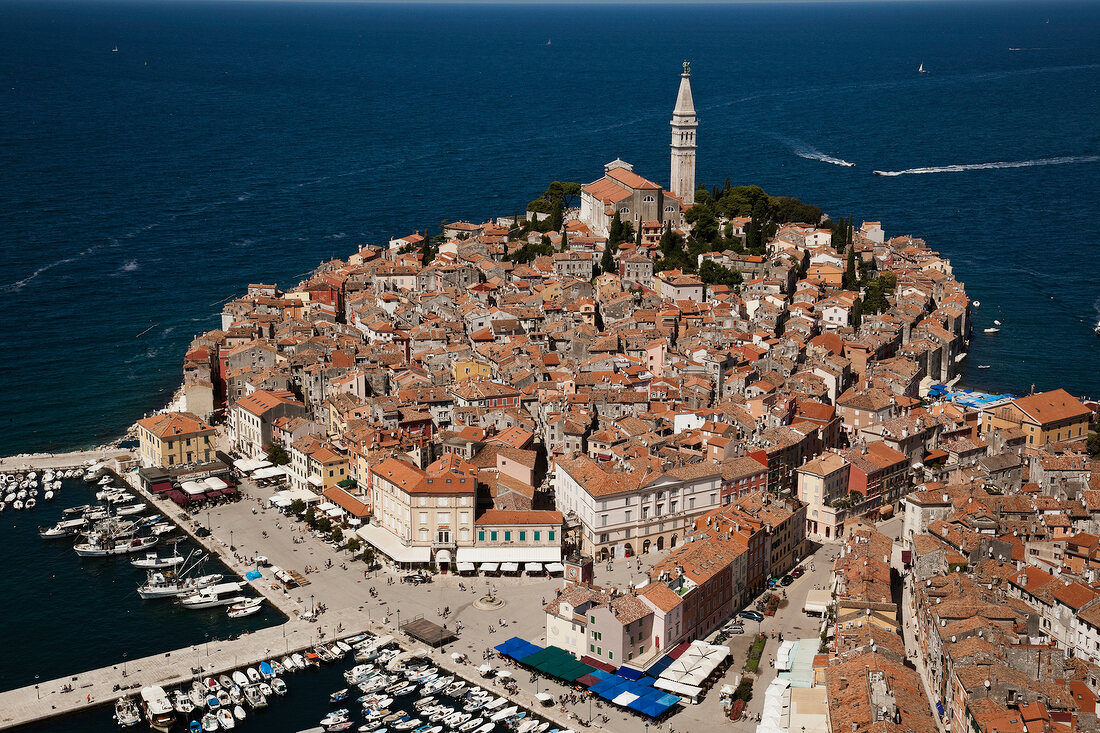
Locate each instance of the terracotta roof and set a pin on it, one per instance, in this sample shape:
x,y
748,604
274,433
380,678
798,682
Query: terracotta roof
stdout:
x,y
171,424
535,516
1053,406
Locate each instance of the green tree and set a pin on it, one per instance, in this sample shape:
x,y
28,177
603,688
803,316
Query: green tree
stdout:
x,y
850,278
369,556
324,524
337,534
712,273
857,314
311,515
1093,444
353,544
297,507
703,221
277,453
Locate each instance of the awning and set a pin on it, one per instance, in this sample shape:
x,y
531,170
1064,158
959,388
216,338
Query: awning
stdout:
x,y
324,506
443,557
193,488
280,501
466,567
316,481
532,567
388,544
817,601
304,494
161,486
246,465
335,512
555,567
488,567
216,483
352,504
354,522
269,472
509,567
509,554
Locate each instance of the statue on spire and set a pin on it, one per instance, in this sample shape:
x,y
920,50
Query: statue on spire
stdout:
x,y
687,68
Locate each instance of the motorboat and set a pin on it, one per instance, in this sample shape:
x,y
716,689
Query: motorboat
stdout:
x,y
152,561
236,695
470,725
240,679
408,724
183,703
455,688
221,594
253,675
254,698
197,694
276,667
105,546
195,726
64,528
246,607
225,719
239,713
343,646
263,667
336,716
994,329
209,722
225,682
265,689
48,496
31,503
503,714
158,709
299,662
278,686
338,696
127,714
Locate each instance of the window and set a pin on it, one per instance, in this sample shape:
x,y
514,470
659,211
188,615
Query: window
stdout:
x,y
507,536
610,654
423,517
463,517
522,536
537,533
628,515
493,536
550,535
444,501
603,520
481,536
591,619
591,647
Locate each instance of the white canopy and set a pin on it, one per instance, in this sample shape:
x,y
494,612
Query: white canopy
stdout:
x,y
509,567
465,567
324,506
355,521
280,501
269,472
532,567
335,512
696,663
490,567
509,554
679,688
247,465
215,483
625,699
555,567
193,487
386,542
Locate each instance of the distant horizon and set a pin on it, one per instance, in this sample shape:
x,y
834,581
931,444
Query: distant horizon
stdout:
x,y
544,3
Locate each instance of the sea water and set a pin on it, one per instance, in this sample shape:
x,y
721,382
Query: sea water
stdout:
x,y
228,143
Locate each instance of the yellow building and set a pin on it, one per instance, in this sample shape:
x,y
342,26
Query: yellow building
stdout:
x,y
175,439
470,369
1047,417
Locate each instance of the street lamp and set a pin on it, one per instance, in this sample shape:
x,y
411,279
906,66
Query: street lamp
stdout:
x,y
312,607
399,619
231,547
36,694
124,664
207,645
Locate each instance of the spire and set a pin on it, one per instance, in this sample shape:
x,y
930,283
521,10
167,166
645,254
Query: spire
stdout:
x,y
684,103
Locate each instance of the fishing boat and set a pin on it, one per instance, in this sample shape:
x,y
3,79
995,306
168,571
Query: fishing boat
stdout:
x,y
170,585
254,698
158,709
102,546
338,696
64,528
253,675
993,329
209,722
126,712
246,607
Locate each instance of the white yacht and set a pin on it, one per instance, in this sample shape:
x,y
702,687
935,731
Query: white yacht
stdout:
x,y
104,547
158,708
169,585
64,528
221,594
153,561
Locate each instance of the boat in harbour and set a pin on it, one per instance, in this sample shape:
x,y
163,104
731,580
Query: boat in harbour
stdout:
x,y
127,714
152,561
104,547
221,594
158,708
993,329
244,608
64,528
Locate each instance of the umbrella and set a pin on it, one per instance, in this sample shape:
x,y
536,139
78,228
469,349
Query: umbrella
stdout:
x,y
505,673
456,655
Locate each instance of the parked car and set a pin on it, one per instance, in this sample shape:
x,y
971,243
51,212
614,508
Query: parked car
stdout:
x,y
752,615
787,580
798,572
737,630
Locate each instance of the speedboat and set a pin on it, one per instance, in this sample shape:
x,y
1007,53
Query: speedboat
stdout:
x,y
470,725
126,712
209,722
152,561
247,607
161,585
226,682
240,679
222,594
335,717
101,547
253,675
338,696
254,697
505,713
992,330
278,686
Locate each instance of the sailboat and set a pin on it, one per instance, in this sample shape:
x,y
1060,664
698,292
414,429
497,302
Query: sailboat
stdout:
x,y
921,69
114,50
547,41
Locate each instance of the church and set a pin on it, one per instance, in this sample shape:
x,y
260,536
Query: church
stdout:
x,y
637,199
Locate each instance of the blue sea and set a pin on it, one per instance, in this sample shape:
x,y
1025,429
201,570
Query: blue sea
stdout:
x,y
232,142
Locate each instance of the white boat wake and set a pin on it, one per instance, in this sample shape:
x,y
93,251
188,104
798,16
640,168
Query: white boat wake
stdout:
x,y
811,153
1064,160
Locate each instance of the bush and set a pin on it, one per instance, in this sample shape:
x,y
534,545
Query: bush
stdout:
x,y
743,691
738,707
755,653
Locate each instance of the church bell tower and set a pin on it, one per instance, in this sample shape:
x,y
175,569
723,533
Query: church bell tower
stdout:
x,y
684,123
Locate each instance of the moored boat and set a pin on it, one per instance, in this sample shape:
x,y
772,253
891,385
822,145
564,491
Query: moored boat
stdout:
x,y
126,712
158,709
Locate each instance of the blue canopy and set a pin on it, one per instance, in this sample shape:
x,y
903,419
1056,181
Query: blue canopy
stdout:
x,y
252,575
661,665
630,674
517,648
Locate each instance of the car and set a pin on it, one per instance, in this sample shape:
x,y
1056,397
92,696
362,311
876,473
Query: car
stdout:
x,y
798,572
737,630
752,615
787,580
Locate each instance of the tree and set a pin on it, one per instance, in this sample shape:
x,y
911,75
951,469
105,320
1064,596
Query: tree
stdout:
x,y
703,221
1093,444
712,273
324,524
850,278
297,507
353,544
277,453
337,534
369,556
311,515
857,314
